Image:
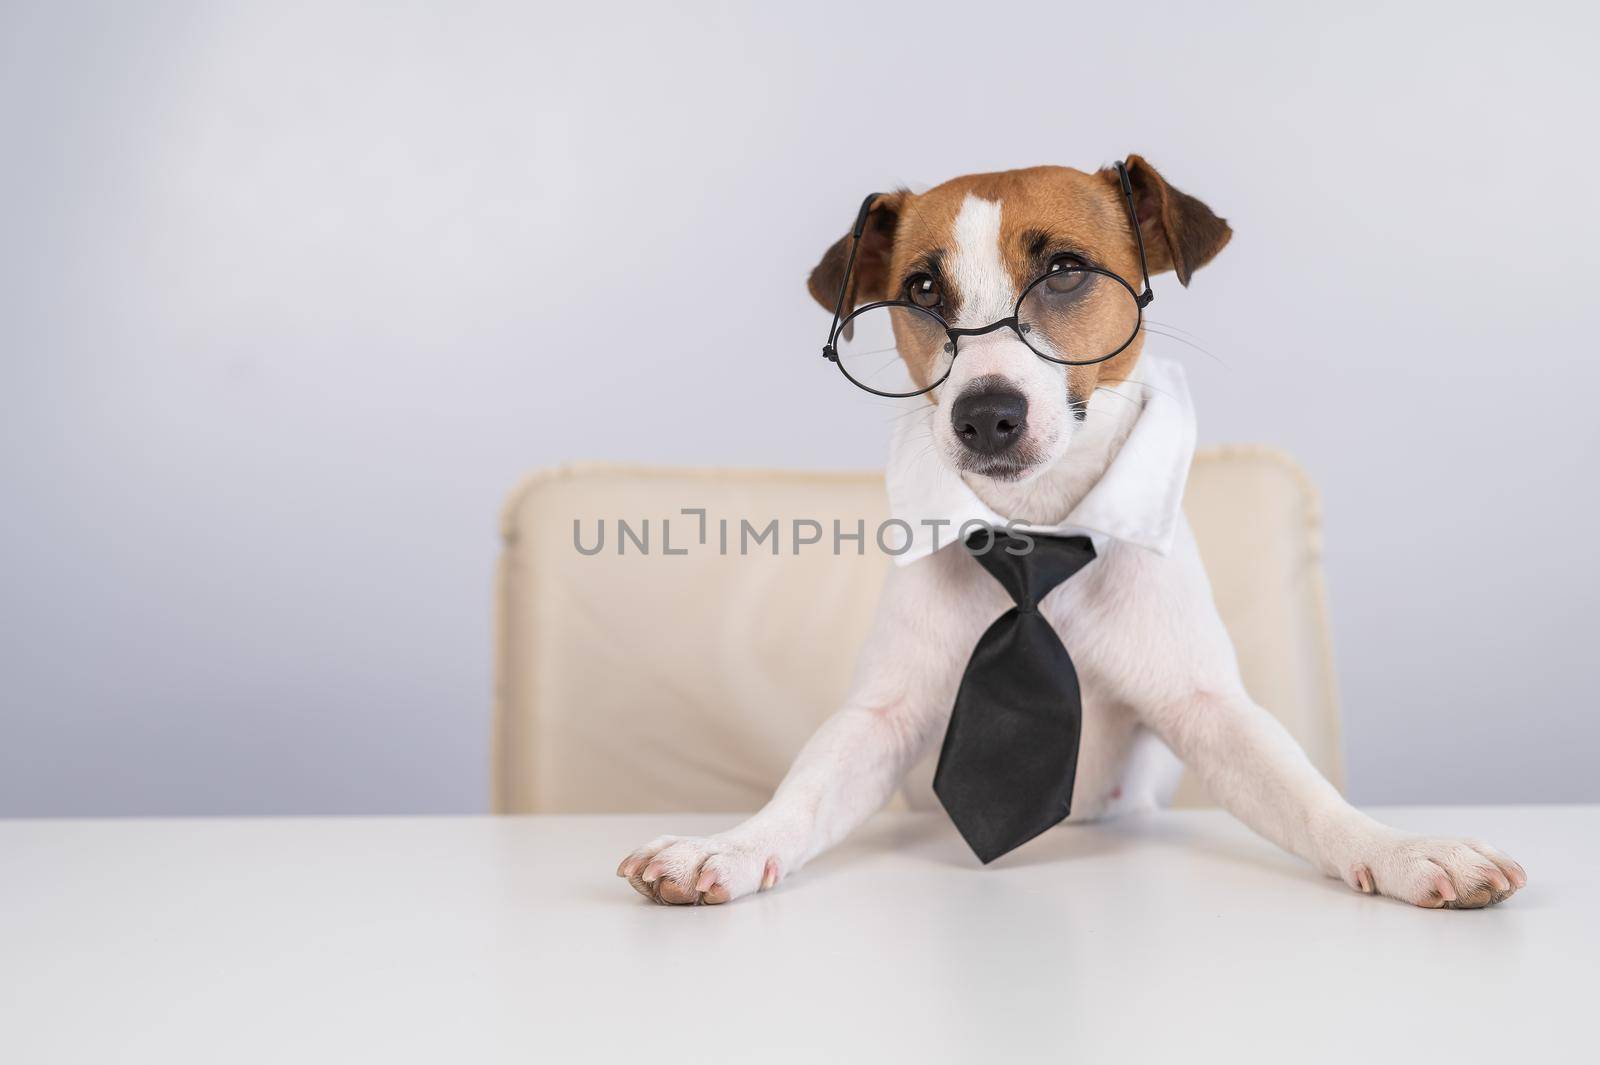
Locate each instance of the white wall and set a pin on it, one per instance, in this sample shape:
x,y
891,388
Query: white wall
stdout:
x,y
289,296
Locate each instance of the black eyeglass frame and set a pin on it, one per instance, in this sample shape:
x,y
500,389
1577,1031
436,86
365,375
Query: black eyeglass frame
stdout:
x,y
842,320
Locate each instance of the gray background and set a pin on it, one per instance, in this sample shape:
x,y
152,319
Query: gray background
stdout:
x,y
290,295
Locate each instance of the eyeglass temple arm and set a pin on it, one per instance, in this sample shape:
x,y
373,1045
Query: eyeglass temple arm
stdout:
x,y
1138,234
844,283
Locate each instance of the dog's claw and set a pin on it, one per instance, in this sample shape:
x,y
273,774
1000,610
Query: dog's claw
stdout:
x,y
1452,874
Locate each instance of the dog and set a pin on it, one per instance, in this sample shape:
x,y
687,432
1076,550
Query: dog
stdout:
x,y
1157,670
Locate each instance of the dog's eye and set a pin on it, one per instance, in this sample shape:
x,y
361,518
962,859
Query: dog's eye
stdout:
x,y
1064,274
923,290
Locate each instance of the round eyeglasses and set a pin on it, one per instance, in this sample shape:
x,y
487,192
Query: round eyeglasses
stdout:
x,y
1073,315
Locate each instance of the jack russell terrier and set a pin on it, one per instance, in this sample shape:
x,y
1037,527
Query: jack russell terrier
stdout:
x,y
995,284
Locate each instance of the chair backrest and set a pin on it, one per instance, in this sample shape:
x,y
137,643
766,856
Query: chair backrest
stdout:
x,y
666,673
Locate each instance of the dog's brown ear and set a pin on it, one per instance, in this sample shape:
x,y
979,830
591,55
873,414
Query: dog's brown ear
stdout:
x,y
1180,233
869,280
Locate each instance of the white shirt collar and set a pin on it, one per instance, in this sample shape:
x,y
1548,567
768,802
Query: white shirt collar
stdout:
x,y
1137,500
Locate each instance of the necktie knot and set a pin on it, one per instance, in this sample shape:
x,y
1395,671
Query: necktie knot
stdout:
x,y
1029,566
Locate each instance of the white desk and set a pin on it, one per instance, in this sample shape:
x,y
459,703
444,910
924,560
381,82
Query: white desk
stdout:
x,y
1174,938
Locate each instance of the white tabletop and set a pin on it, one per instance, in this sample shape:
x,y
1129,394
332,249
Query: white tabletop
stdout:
x,y
1175,937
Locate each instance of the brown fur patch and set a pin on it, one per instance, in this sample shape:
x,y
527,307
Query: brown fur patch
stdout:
x,y
869,275
1180,233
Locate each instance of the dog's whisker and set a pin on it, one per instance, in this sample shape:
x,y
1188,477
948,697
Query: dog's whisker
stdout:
x,y
1137,383
898,415
1113,392
1186,343
1173,328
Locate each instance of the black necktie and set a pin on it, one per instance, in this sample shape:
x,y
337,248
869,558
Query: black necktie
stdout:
x,y
1011,751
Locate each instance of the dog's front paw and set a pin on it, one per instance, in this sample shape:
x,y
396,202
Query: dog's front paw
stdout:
x,y
1454,874
695,870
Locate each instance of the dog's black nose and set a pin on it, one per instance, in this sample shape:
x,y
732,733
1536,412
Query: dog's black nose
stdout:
x,y
990,421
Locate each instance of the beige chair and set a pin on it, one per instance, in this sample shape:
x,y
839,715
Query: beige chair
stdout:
x,y
637,680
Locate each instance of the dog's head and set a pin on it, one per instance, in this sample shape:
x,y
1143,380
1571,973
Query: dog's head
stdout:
x,y
968,249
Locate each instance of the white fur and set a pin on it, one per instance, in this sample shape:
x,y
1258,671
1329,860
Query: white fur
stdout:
x,y
976,267
1153,660
988,294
